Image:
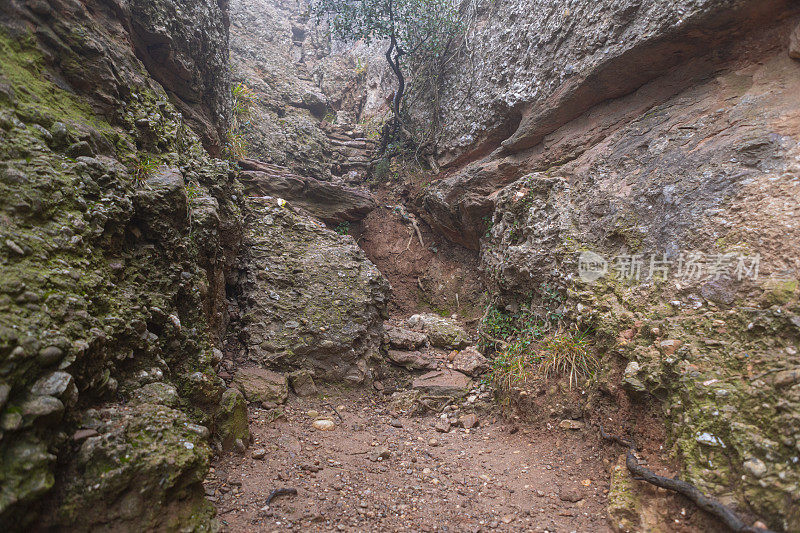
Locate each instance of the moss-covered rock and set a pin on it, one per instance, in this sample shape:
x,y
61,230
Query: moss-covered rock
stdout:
x,y
111,291
143,471
231,422
314,300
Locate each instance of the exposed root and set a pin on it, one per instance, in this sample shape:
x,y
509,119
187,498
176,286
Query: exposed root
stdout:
x,y
704,502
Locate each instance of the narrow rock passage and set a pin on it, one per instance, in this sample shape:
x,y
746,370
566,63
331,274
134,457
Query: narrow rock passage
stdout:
x,y
376,472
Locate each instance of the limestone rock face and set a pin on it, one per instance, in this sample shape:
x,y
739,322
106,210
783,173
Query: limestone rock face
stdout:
x,y
118,237
332,203
599,129
314,301
528,84
272,47
189,60
143,455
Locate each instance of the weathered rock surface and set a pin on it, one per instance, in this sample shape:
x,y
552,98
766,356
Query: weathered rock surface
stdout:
x,y
331,202
411,360
261,385
568,156
140,456
117,241
273,61
442,332
443,382
470,362
313,300
303,383
404,339
190,61
231,419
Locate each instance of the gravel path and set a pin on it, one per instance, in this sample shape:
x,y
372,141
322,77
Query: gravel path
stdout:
x,y
376,471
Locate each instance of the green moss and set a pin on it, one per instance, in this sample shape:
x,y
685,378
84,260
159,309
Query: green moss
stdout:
x,y
23,66
623,505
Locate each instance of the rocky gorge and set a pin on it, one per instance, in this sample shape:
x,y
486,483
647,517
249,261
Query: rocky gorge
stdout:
x,y
203,300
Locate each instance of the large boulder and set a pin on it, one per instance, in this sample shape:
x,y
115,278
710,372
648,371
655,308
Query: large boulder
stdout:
x,y
314,300
141,461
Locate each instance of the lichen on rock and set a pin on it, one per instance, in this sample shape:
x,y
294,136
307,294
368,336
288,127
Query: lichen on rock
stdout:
x,y
314,301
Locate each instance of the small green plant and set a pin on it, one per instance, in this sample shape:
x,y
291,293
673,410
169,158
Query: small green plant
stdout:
x,y
237,145
243,99
567,354
512,367
361,67
382,169
143,167
489,224
525,358
343,228
330,118
192,192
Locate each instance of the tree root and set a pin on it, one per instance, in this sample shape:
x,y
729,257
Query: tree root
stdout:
x,y
704,502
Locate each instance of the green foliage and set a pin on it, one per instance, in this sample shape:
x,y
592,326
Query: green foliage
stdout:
x,y
243,100
143,167
236,145
423,31
193,192
525,358
382,169
361,67
489,223
531,343
343,228
567,354
421,27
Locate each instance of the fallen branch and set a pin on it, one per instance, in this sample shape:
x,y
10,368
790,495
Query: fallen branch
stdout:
x,y
704,502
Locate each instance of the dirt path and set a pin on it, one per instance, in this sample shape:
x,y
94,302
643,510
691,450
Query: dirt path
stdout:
x,y
492,477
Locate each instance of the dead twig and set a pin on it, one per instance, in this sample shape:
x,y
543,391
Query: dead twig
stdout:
x,y
285,491
335,411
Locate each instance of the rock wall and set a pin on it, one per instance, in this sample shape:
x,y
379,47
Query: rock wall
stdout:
x,y
310,298
118,237
647,131
301,79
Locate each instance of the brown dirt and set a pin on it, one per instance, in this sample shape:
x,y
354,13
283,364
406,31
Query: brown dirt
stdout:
x,y
440,276
492,477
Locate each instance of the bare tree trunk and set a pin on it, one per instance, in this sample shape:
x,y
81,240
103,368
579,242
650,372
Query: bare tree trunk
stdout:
x,y
393,55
